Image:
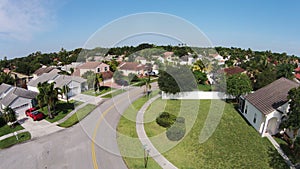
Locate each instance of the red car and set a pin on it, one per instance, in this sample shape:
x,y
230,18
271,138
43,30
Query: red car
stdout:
x,y
34,114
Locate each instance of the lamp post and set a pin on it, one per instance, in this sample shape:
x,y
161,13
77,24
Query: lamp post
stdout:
x,y
146,155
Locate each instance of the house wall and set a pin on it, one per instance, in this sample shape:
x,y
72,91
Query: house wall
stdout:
x,y
127,72
250,112
34,89
75,88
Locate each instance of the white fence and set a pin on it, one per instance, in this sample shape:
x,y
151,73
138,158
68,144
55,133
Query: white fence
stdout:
x,y
197,95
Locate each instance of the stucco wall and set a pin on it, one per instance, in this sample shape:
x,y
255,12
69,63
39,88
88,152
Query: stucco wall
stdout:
x,y
251,111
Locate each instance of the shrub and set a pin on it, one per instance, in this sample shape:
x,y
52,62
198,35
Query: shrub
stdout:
x,y
176,132
165,119
180,120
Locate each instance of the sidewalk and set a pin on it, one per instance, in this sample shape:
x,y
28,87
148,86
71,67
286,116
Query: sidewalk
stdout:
x,y
154,153
12,134
277,147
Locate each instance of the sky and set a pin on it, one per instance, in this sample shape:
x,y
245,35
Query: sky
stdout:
x,y
27,26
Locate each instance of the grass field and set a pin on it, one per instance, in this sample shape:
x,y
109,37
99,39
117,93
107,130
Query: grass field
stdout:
x,y
62,109
131,149
10,141
7,129
204,87
234,144
79,115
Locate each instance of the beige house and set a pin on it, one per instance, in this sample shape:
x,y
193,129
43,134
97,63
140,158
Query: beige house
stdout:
x,y
96,67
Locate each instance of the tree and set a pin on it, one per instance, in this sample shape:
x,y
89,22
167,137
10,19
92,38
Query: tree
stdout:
x,y
6,78
176,79
9,115
65,90
97,81
48,94
201,77
90,76
292,121
238,84
285,70
264,78
198,65
146,82
132,77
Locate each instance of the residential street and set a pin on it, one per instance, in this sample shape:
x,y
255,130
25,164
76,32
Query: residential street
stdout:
x,y
72,148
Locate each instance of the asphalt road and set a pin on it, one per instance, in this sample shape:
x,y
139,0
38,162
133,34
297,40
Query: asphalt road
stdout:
x,y
90,144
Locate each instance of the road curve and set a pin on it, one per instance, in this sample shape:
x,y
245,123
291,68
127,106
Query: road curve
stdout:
x,y
72,148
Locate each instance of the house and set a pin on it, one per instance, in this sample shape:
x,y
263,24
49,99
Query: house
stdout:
x,y
233,70
141,60
42,70
133,67
76,84
17,98
186,60
265,108
96,67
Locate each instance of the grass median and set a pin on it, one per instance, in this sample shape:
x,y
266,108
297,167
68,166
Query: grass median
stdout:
x,y
6,129
10,141
79,115
130,146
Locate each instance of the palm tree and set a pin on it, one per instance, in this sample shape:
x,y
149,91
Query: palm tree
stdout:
x,y
49,95
97,81
65,90
9,115
146,82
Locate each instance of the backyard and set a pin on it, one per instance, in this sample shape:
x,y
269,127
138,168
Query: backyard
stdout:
x,y
234,144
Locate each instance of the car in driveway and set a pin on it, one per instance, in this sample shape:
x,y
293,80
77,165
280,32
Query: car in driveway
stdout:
x,y
34,114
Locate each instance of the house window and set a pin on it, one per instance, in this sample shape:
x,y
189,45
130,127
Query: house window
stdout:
x,y
246,109
105,69
254,120
98,69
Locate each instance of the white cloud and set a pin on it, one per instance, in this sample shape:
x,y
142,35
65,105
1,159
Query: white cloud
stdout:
x,y
20,19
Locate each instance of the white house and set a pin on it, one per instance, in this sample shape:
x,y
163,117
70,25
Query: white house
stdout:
x,y
17,98
265,108
133,67
76,84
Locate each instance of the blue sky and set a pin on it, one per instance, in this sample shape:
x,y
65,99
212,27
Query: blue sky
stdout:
x,y
27,26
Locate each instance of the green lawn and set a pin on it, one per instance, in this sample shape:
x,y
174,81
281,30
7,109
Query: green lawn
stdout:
x,y
234,144
113,94
79,115
104,90
62,109
202,87
13,140
132,149
6,129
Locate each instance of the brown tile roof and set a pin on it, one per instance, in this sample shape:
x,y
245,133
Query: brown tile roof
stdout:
x,y
233,70
91,65
131,66
43,70
272,96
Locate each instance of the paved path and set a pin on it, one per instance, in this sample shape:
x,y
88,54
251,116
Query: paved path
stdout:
x,y
154,153
277,147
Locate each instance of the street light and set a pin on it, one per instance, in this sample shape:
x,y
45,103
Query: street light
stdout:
x,y
146,155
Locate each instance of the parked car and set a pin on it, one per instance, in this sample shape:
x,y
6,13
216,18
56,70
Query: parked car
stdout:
x,y
34,114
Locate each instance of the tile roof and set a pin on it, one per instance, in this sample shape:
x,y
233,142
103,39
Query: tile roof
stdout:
x,y
131,66
4,87
233,70
91,65
272,96
16,93
43,70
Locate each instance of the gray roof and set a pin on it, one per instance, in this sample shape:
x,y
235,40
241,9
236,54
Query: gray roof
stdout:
x,y
272,96
4,87
44,78
16,93
53,76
